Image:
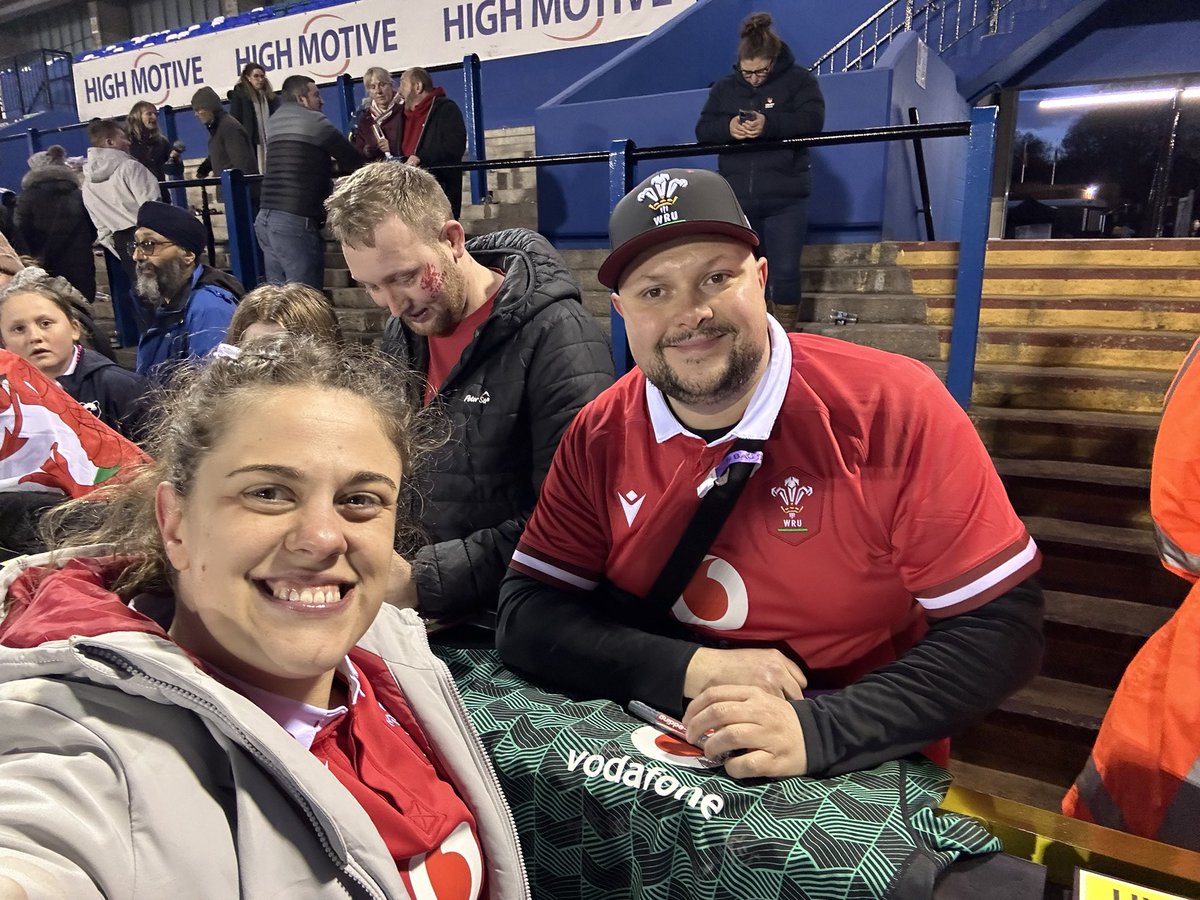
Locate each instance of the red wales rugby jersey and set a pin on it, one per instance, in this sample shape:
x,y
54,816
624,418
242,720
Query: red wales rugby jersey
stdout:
x,y
875,501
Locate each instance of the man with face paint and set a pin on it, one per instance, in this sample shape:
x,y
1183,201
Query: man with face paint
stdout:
x,y
872,555
495,333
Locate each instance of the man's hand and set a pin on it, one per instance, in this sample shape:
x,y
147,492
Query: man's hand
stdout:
x,y
401,588
384,147
413,160
762,729
763,668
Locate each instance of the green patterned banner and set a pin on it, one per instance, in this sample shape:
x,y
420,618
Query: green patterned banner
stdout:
x,y
608,807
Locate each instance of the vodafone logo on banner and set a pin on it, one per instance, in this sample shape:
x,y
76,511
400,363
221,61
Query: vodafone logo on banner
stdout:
x,y
454,871
715,597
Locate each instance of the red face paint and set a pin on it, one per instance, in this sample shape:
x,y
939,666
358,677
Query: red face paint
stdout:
x,y
432,280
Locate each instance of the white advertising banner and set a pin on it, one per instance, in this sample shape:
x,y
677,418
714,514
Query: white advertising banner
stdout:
x,y
350,37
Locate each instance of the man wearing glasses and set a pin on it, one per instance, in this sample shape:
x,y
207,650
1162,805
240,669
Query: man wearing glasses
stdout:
x,y
192,302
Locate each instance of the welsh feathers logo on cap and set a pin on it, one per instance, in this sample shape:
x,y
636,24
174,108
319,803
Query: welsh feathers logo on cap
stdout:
x,y
671,204
660,196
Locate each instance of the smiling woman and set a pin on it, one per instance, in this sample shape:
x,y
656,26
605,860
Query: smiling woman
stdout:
x,y
226,651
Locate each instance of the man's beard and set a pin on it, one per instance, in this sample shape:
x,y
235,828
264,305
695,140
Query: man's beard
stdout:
x,y
705,391
159,285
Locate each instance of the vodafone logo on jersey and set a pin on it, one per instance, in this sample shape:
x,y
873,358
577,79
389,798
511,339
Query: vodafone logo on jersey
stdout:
x,y
665,748
715,597
454,871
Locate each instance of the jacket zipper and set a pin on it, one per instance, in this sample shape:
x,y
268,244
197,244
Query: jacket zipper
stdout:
x,y
115,659
476,741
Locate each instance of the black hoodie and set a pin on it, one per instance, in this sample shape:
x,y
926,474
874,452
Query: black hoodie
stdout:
x,y
116,396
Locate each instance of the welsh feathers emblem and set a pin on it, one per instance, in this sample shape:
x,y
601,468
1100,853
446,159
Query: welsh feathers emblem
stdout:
x,y
660,196
794,516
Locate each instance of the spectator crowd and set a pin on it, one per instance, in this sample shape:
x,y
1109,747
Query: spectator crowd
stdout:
x,y
248,532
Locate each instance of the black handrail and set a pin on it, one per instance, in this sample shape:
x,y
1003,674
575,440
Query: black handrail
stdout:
x,y
667,151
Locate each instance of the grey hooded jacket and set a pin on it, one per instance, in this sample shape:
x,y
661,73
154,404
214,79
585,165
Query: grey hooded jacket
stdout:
x,y
126,771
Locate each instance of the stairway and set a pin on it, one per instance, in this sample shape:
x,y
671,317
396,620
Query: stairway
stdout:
x,y
1078,343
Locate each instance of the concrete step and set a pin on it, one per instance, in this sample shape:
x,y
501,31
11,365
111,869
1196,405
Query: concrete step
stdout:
x,y
1066,281
1139,252
889,309
362,321
853,255
1081,311
1079,492
350,298
916,341
1070,387
996,783
1042,732
1105,438
1088,347
856,280
1091,640
1103,561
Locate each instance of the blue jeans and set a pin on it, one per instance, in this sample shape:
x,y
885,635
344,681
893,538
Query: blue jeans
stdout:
x,y
292,246
781,233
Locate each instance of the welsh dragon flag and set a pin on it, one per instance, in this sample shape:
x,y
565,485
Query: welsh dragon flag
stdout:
x,y
50,442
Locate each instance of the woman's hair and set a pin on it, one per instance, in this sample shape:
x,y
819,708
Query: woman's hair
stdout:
x,y
59,291
244,80
296,308
376,73
194,412
135,125
758,38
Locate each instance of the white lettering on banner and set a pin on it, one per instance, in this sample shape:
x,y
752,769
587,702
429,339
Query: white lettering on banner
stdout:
x,y
350,37
629,772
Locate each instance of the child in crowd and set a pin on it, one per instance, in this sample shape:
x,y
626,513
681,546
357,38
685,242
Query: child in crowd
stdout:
x,y
38,322
273,308
206,699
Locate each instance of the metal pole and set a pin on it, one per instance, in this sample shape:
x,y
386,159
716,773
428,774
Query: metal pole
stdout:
x,y
473,97
620,180
1160,185
243,249
345,102
972,252
914,118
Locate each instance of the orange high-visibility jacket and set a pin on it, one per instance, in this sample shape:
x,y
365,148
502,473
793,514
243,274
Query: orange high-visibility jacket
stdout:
x,y
1143,776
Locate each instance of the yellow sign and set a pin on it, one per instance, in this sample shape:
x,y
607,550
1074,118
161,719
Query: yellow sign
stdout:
x,y
1093,886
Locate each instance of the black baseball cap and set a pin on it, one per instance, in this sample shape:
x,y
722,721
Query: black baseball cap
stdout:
x,y
671,204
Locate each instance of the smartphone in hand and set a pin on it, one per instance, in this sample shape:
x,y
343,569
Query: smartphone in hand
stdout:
x,y
746,115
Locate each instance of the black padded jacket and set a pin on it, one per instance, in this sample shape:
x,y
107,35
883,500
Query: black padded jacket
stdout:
x,y
299,172
531,366
790,100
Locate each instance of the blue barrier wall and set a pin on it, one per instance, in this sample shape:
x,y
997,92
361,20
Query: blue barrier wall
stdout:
x,y
864,192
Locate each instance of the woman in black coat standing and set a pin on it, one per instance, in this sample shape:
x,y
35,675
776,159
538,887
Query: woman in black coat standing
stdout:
x,y
768,97
53,223
251,102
